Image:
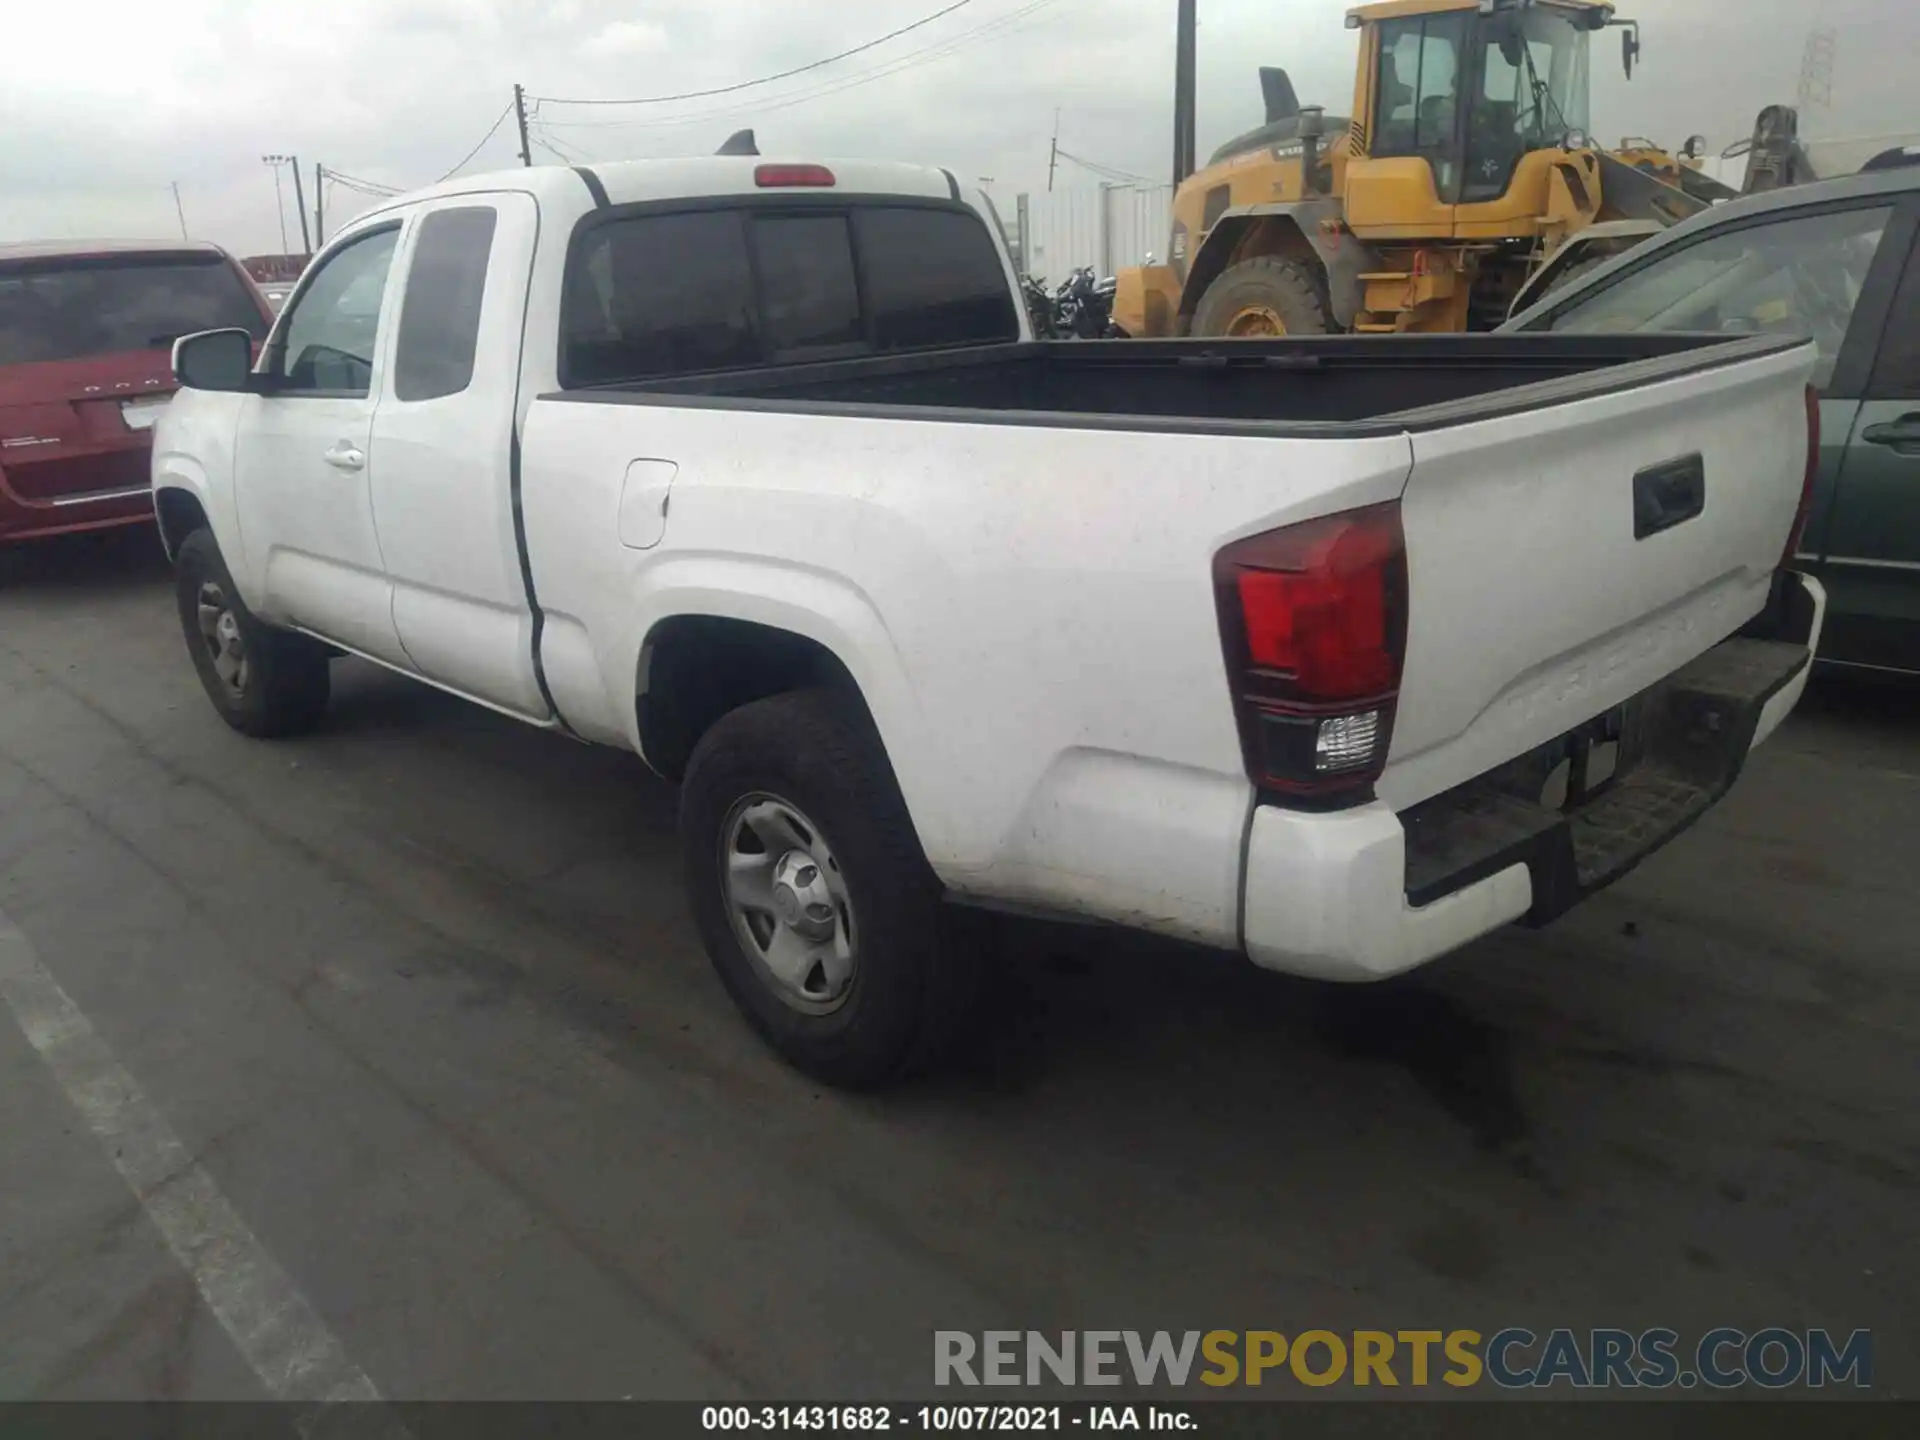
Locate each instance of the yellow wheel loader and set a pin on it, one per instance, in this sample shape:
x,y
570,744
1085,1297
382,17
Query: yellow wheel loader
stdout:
x,y
1462,175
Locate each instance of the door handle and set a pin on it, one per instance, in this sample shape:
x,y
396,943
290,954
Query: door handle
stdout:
x,y
345,455
1902,435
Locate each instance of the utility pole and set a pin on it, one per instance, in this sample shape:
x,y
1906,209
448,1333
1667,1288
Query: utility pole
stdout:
x,y
1185,56
1816,69
279,197
180,210
1053,155
300,206
319,204
520,114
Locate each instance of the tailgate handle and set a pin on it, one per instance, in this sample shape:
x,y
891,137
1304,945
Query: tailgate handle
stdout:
x,y
1668,495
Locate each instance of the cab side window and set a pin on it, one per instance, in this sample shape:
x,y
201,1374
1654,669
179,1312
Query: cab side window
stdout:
x,y
328,340
440,317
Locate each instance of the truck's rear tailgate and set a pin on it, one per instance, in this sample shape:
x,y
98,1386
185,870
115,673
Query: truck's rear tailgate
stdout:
x,y
1543,593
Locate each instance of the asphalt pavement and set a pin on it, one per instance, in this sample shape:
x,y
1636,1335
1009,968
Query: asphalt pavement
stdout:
x,y
404,1035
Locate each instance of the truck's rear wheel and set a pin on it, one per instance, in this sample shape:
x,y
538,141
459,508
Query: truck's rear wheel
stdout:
x,y
812,896
1263,298
264,682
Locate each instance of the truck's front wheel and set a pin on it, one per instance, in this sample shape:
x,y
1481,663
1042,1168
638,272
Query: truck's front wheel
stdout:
x,y
1262,299
264,682
812,896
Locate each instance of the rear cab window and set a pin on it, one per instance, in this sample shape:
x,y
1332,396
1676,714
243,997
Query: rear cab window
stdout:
x,y
661,293
81,307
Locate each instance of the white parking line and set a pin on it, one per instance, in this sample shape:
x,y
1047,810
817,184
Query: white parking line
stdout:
x,y
289,1347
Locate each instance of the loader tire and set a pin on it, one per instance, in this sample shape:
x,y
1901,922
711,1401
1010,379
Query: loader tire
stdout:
x,y
1261,299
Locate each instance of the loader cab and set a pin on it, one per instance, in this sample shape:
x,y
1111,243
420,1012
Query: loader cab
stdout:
x,y
1464,103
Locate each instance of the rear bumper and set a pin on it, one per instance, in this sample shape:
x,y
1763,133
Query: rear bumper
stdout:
x,y
1366,894
37,519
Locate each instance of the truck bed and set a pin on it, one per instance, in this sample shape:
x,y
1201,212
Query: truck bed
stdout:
x,y
1347,385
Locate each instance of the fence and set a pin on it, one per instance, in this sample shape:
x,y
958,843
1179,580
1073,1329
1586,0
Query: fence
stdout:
x,y
1108,229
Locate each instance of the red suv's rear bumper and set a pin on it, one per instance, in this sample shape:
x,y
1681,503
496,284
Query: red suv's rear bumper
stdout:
x,y
117,491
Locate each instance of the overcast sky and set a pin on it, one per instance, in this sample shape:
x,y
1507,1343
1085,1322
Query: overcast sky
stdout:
x,y
104,103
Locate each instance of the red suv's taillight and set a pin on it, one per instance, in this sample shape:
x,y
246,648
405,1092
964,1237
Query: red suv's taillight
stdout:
x,y
1314,621
1799,531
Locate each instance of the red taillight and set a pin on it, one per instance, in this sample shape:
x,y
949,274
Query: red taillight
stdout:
x,y
775,177
1799,531
1314,620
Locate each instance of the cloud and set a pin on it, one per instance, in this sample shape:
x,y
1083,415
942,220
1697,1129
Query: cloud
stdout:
x,y
627,37
104,104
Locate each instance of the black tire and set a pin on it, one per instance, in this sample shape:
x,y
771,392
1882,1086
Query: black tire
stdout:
x,y
914,982
284,686
1287,290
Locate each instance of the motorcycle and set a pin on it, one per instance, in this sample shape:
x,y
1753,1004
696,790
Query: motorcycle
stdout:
x,y
1039,306
1080,309
1083,306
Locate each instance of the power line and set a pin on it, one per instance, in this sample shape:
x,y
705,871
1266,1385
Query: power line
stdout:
x,y
553,146
365,187
548,146
912,59
1111,172
1005,26
492,130
769,79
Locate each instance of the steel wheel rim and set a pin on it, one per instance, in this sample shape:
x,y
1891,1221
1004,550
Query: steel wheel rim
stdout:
x,y
220,634
1255,322
788,903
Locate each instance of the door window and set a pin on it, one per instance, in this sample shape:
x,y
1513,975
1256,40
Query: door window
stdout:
x,y
328,337
1896,374
440,317
1531,94
1797,276
1419,93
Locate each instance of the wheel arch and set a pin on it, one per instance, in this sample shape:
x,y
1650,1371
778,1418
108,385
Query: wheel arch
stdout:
x,y
1309,233
700,662
179,512
696,667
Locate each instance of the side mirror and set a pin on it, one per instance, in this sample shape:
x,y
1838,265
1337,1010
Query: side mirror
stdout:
x,y
1630,48
216,360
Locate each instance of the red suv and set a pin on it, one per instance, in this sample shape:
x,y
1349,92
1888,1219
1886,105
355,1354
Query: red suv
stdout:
x,y
86,341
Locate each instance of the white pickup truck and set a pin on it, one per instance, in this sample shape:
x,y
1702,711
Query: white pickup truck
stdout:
x,y
1335,652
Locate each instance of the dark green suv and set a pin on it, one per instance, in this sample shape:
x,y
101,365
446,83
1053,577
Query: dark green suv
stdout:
x,y
1836,260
